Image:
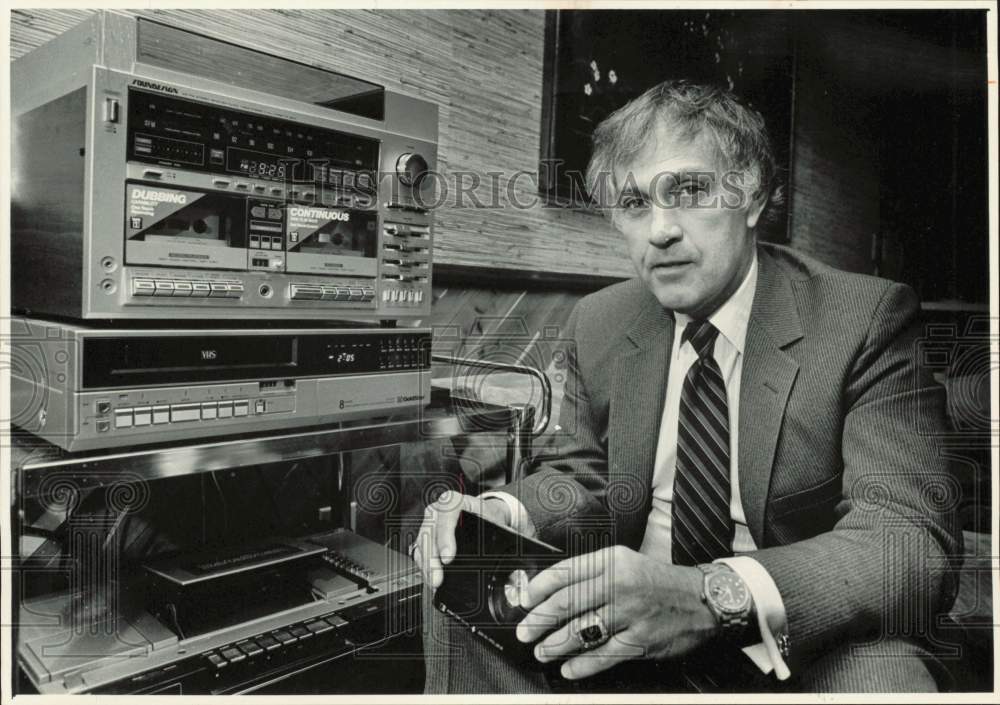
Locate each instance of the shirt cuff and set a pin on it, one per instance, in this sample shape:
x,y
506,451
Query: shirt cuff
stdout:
x,y
519,519
771,617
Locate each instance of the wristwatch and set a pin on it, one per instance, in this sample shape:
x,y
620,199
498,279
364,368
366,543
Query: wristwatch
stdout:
x,y
725,593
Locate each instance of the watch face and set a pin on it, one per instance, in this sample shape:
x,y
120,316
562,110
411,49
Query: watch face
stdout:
x,y
728,592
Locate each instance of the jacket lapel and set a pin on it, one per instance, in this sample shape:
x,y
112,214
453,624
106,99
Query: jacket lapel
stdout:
x,y
636,408
768,375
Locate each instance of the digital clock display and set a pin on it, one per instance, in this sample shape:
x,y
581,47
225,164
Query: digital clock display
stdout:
x,y
260,165
351,356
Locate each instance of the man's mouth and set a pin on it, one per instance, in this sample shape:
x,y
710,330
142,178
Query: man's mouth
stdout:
x,y
670,265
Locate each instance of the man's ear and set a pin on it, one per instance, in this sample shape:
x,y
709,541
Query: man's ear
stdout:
x,y
754,211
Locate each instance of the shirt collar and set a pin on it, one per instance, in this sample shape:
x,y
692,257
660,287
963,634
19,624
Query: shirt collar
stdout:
x,y
732,317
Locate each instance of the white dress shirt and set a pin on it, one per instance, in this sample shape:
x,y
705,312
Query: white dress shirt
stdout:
x,y
731,320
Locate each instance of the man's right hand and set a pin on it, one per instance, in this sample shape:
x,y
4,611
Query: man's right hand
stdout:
x,y
434,546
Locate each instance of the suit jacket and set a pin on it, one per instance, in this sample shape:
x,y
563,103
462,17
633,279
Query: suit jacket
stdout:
x,y
845,491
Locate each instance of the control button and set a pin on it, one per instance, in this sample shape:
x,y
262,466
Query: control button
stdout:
x,y
221,183
103,426
274,213
185,412
249,648
235,291
200,289
260,407
276,191
267,642
241,407
183,288
161,414
111,110
257,188
152,174
258,212
225,409
242,186
335,620
143,287
143,416
216,660
343,294
329,293
123,418
275,243
254,242
369,294
233,655
357,294
164,288
318,626
420,296
219,289
300,632
306,291
385,294
209,410
283,636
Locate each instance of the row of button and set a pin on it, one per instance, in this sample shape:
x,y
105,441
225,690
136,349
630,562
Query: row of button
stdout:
x,y
265,212
174,413
265,243
345,564
271,641
277,192
331,293
170,287
403,296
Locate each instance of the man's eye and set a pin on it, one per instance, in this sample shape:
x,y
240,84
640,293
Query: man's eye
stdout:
x,y
633,203
690,188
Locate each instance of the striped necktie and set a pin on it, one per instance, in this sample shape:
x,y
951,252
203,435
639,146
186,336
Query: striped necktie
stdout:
x,y
702,526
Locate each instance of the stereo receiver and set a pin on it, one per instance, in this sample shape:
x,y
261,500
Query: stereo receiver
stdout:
x,y
84,388
161,174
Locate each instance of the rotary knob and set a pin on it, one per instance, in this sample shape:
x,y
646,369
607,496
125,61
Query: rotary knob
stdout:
x,y
411,169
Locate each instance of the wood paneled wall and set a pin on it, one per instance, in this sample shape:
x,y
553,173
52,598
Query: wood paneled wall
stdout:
x,y
484,70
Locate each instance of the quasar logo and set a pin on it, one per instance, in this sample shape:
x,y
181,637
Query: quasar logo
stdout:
x,y
154,86
145,194
319,213
405,398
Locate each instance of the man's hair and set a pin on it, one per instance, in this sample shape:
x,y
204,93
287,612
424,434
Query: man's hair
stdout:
x,y
687,110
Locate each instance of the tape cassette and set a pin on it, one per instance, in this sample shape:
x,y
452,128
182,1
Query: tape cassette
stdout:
x,y
483,584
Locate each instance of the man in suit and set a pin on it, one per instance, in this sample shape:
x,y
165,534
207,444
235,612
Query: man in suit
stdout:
x,y
750,427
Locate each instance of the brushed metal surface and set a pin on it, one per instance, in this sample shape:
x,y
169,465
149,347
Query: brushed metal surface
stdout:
x,y
47,206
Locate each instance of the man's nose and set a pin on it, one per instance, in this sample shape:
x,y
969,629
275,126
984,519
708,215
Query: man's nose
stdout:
x,y
665,229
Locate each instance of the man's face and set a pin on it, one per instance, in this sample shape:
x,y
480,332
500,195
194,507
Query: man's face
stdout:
x,y
687,222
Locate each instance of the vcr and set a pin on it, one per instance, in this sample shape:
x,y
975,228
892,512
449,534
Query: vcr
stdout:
x,y
82,388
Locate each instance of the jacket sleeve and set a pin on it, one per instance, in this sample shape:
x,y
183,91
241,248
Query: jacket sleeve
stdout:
x,y
563,491
883,569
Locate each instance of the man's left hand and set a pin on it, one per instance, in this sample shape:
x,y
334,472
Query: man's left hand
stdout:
x,y
650,609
